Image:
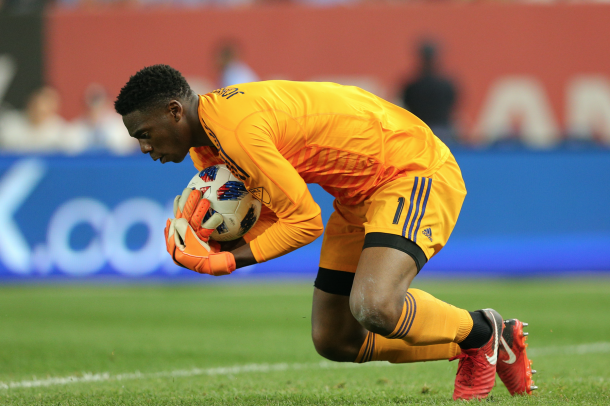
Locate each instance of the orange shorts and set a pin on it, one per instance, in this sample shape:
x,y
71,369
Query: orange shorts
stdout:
x,y
424,210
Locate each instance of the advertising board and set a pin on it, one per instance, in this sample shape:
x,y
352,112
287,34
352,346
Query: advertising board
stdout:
x,y
526,214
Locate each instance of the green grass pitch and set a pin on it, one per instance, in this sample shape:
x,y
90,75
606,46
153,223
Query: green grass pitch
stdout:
x,y
174,344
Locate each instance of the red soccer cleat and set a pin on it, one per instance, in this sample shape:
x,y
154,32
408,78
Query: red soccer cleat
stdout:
x,y
476,373
514,368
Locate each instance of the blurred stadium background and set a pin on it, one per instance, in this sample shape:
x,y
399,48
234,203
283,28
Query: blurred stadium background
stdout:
x,y
520,91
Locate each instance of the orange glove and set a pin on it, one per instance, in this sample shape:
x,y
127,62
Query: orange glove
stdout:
x,y
191,205
185,203
189,251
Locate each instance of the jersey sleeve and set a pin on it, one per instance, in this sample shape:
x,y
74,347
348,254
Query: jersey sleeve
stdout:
x,y
204,157
273,180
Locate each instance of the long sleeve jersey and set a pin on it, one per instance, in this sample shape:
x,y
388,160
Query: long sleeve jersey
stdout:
x,y
276,136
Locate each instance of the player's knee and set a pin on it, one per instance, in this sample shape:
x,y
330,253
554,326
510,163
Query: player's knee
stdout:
x,y
332,348
375,314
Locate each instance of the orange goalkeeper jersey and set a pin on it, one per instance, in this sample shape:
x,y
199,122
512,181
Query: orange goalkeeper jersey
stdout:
x,y
276,136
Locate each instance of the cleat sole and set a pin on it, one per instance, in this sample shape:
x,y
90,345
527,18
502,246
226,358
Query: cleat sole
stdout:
x,y
529,386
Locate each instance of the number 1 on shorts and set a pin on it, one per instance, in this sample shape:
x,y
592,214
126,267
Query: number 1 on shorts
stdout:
x,y
401,204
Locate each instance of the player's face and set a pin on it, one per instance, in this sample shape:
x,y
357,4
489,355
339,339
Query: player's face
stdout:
x,y
161,133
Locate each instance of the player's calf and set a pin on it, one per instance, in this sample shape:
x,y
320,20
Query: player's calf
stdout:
x,y
336,335
335,350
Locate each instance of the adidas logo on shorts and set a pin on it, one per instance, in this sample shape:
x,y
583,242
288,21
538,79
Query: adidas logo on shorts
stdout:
x,y
428,233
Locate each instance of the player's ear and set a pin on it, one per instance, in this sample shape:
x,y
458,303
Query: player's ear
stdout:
x,y
176,110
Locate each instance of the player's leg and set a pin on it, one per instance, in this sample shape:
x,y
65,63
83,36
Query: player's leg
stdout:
x,y
409,221
336,334
383,303
394,252
422,319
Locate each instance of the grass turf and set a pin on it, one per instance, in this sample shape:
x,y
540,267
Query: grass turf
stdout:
x,y
62,331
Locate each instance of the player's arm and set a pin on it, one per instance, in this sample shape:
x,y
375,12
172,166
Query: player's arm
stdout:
x,y
240,248
280,188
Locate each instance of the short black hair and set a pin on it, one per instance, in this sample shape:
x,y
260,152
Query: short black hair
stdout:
x,y
151,86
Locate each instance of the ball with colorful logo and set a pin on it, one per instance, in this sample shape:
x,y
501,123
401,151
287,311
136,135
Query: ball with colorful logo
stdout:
x,y
229,197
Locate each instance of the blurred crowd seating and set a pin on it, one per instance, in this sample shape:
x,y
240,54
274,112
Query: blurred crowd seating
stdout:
x,y
40,129
516,112
29,5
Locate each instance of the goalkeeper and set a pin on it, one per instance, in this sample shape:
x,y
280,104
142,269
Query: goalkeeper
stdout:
x,y
398,192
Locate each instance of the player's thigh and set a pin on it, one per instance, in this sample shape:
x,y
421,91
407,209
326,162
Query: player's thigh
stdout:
x,y
336,334
380,285
424,210
344,237
408,221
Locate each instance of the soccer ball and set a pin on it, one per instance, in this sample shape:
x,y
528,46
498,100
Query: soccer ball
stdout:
x,y
229,197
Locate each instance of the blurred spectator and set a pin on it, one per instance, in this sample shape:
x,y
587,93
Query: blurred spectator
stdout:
x,y
100,129
431,96
38,129
232,69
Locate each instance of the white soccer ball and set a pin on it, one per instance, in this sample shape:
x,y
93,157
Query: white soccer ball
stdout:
x,y
229,197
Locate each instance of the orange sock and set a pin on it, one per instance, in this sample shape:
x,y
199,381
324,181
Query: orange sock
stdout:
x,y
379,348
425,320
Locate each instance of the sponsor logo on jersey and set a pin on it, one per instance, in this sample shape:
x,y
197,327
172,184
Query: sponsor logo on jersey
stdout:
x,y
261,195
428,233
227,92
231,190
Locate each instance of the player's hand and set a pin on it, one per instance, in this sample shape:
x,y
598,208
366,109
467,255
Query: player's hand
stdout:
x,y
185,203
189,251
191,205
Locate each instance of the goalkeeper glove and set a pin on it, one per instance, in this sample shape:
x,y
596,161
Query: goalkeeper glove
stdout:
x,y
191,205
189,251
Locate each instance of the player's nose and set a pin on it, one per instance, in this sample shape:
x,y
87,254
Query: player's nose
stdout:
x,y
145,147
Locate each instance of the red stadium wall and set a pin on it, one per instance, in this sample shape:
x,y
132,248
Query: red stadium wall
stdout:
x,y
553,45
